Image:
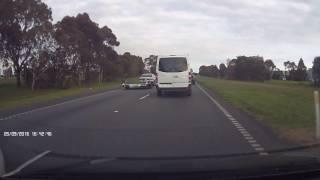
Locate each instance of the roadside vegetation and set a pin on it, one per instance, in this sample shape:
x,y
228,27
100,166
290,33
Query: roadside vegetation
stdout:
x,y
72,52
12,96
286,106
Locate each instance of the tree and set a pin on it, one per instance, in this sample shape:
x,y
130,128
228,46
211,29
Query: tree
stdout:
x,y
222,70
211,71
270,67
291,67
19,22
296,73
247,68
86,47
231,68
301,72
44,49
104,45
7,73
150,63
277,74
316,71
132,65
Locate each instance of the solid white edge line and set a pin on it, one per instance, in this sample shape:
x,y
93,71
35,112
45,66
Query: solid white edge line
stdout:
x,y
226,113
25,164
47,107
214,101
144,96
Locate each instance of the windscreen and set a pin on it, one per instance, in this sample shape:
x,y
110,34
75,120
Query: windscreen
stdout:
x,y
97,88
174,64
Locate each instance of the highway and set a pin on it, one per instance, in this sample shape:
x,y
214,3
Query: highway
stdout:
x,y
135,123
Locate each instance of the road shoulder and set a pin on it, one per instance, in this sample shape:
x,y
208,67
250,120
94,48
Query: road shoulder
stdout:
x,y
268,137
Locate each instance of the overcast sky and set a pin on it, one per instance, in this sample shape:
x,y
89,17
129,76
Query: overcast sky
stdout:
x,y
209,31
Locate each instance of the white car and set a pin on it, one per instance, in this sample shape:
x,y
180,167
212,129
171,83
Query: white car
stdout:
x,y
148,78
173,74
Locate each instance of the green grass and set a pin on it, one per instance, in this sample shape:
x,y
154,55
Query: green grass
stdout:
x,y
11,96
286,106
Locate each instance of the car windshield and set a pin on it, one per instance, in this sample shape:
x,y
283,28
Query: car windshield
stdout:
x,y
174,64
219,88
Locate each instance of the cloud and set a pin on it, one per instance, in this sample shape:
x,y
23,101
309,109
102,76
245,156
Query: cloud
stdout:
x,y
210,31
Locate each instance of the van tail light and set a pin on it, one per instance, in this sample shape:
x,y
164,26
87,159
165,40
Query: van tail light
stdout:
x,y
190,77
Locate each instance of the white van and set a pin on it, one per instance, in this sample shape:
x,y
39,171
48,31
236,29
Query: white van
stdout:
x,y
173,74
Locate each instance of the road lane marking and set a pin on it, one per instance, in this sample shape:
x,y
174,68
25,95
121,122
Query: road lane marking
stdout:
x,y
99,161
246,135
259,149
249,138
242,130
25,164
51,106
115,111
255,145
143,97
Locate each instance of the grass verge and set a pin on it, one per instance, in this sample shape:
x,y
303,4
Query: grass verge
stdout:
x,y
11,96
286,106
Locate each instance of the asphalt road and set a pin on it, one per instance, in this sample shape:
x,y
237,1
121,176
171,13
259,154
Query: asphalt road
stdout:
x,y
135,123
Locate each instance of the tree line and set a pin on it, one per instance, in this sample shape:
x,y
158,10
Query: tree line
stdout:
x,y
73,51
255,68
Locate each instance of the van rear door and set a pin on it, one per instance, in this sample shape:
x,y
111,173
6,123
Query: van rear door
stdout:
x,y
173,70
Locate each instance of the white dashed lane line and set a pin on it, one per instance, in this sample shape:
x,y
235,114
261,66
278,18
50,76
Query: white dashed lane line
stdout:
x,y
143,97
244,132
252,141
255,145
